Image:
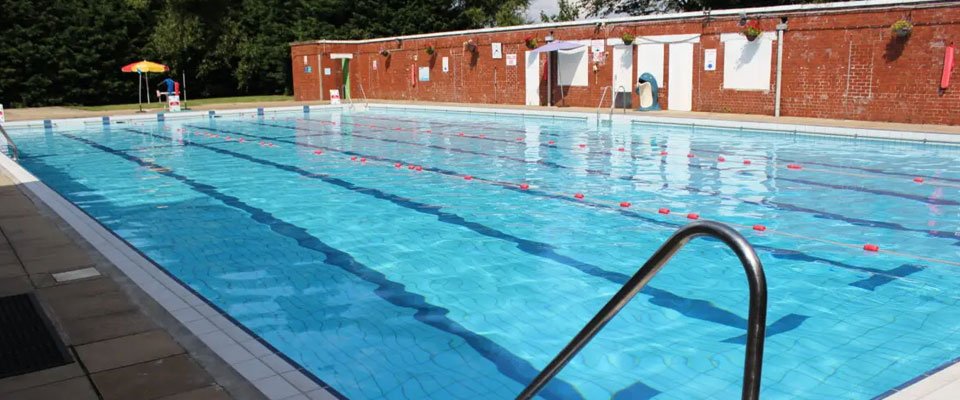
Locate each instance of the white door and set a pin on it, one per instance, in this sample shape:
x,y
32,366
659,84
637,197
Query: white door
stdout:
x,y
623,68
680,68
532,78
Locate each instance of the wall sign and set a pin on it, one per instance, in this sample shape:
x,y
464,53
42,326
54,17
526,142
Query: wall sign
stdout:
x,y
446,64
308,69
326,71
334,96
424,74
497,49
374,65
710,59
512,60
173,103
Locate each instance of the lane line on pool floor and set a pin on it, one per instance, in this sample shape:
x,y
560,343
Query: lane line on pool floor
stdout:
x,y
699,309
752,158
395,293
765,204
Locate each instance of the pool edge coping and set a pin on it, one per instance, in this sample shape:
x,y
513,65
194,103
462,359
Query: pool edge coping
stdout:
x,y
923,137
228,339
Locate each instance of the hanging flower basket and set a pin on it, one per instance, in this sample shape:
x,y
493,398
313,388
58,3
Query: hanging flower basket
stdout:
x,y
470,46
752,30
531,42
385,53
901,28
627,39
430,50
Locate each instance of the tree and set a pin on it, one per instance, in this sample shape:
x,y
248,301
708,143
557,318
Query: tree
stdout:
x,y
569,11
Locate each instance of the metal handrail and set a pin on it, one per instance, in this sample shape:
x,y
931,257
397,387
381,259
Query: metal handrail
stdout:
x,y
600,104
16,151
366,102
615,101
756,322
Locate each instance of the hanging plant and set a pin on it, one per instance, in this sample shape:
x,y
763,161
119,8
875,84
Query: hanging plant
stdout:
x,y
385,53
470,46
901,28
627,39
531,42
430,50
752,30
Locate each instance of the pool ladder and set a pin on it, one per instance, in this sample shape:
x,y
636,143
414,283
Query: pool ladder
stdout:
x,y
756,322
14,151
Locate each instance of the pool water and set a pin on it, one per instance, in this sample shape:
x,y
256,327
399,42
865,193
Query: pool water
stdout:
x,y
394,254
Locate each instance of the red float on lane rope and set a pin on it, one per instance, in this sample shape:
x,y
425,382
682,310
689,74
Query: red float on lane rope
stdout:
x,y
746,162
363,160
693,216
551,142
419,168
467,178
871,247
721,159
354,158
794,166
397,165
582,145
578,196
621,149
663,153
318,152
524,186
759,228
690,155
624,204
664,211
918,179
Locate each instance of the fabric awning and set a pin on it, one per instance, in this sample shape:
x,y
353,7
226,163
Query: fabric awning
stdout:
x,y
554,46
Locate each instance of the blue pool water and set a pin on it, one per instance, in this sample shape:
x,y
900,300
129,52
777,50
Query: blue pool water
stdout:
x,y
389,282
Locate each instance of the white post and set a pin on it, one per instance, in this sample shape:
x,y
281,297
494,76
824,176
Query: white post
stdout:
x,y
780,28
146,78
184,102
140,90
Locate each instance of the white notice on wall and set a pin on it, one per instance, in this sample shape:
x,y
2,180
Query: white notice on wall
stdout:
x,y
334,96
446,64
710,59
374,65
497,49
512,60
326,71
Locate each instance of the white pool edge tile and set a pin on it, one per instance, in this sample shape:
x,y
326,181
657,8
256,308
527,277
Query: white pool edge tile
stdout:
x,y
225,338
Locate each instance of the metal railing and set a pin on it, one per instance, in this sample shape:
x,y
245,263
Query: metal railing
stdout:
x,y
615,100
15,152
756,322
366,102
603,95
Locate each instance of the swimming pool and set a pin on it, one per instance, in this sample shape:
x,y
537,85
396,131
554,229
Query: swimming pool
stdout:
x,y
395,254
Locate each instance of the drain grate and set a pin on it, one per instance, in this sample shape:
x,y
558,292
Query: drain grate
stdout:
x,y
28,341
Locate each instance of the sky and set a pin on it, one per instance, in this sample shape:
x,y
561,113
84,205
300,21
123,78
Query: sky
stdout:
x,y
549,6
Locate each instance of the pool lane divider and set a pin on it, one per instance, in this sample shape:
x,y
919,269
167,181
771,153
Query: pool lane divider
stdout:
x,y
765,203
795,167
775,252
395,293
792,165
694,308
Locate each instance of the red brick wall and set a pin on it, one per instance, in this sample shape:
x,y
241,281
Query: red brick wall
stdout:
x,y
837,64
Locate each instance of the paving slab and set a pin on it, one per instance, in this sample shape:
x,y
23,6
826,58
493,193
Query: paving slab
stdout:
x,y
128,350
152,380
47,376
207,393
103,327
72,389
15,285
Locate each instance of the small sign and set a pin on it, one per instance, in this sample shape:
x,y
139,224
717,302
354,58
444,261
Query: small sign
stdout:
x,y
497,49
173,103
446,64
334,96
326,71
424,75
308,69
3,118
710,59
512,60
374,65
304,59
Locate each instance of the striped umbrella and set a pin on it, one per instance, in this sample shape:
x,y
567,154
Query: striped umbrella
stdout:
x,y
141,67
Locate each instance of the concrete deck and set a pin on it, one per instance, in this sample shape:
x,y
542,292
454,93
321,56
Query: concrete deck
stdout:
x,y
40,113
123,347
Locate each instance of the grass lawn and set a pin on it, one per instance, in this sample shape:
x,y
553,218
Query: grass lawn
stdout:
x,y
190,102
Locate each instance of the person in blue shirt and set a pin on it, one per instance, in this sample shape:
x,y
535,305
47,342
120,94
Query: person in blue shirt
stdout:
x,y
170,87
